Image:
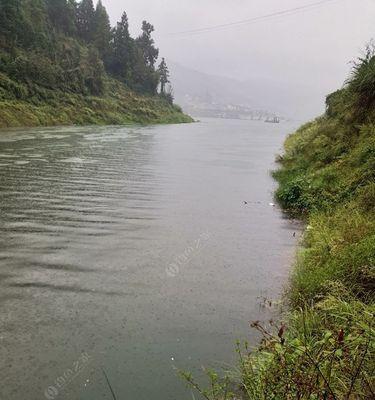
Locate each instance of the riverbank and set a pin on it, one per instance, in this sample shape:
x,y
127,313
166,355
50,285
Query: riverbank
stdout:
x,y
324,348
20,106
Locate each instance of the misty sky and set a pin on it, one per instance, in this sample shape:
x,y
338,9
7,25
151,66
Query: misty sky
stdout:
x,y
312,48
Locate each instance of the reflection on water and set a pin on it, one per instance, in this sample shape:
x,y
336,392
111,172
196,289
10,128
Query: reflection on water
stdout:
x,y
133,246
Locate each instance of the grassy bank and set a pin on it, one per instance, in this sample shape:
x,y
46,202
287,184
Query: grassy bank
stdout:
x,y
325,346
33,105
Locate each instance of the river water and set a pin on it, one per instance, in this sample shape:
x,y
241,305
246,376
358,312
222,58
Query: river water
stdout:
x,y
129,251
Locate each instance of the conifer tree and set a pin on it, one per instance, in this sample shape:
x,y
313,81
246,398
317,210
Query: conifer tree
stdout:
x,y
163,75
85,17
102,32
122,50
36,26
147,45
62,15
10,20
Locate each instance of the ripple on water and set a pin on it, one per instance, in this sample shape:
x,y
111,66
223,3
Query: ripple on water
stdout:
x,y
21,162
73,160
48,136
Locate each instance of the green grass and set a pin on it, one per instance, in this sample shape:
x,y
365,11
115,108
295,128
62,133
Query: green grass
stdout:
x,y
33,105
324,347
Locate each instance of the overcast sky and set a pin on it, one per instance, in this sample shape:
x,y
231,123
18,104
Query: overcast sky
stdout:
x,y
313,47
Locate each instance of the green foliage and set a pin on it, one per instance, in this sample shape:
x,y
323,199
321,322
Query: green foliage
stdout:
x,y
322,352
362,83
220,387
164,75
123,51
146,43
325,163
62,16
85,20
22,105
102,34
326,351
11,20
339,246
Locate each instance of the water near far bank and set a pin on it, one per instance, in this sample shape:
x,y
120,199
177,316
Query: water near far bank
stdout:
x,y
131,249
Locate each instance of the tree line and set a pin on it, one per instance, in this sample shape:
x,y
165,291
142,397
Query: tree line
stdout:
x,y
77,40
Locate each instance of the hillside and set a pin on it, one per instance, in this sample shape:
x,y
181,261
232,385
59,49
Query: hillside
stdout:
x,y
325,346
118,105
62,63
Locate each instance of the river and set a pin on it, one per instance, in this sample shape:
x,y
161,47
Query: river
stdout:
x,y
130,250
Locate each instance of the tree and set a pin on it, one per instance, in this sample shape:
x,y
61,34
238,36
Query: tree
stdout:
x,y
169,95
23,23
102,31
36,27
62,15
10,21
163,75
146,43
144,77
94,72
122,50
85,19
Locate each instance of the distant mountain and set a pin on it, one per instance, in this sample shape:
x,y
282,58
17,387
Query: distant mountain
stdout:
x,y
194,90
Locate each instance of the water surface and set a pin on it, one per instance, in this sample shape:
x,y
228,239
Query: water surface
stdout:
x,y
130,249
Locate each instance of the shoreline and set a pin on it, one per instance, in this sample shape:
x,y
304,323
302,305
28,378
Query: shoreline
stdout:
x,y
35,105
18,114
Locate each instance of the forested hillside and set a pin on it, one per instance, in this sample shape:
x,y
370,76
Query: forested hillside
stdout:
x,y
61,62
